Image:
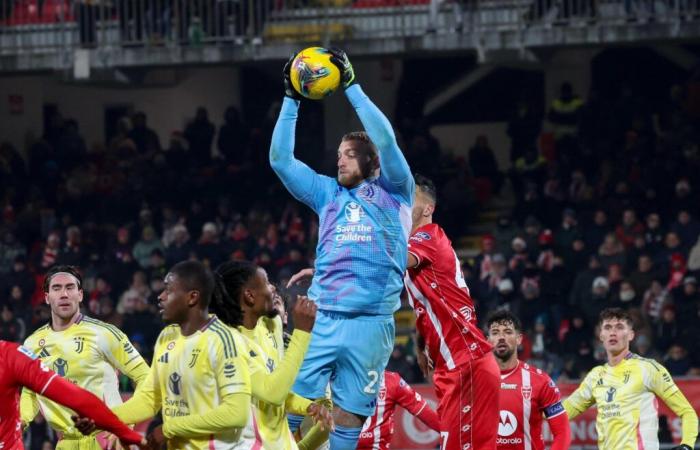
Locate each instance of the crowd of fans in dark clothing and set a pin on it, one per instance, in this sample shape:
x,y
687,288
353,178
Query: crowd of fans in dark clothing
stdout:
x,y
606,214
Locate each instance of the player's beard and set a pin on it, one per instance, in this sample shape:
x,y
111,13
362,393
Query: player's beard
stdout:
x,y
272,313
504,356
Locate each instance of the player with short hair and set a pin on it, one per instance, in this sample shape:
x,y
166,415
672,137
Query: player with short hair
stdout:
x,y
86,351
248,306
527,393
19,367
394,391
199,379
624,391
364,220
466,375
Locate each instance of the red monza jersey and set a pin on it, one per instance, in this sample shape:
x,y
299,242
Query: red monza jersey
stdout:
x,y
394,391
18,367
445,315
527,397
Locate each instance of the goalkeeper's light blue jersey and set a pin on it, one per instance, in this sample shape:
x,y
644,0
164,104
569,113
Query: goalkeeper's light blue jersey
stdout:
x,y
361,252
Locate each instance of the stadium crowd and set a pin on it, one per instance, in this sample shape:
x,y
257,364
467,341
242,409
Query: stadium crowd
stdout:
x,y
606,214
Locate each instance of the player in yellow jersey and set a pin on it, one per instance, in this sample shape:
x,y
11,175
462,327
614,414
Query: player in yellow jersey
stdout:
x,y
84,350
250,308
625,389
199,378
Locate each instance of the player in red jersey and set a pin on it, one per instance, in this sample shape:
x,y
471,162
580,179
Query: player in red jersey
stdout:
x,y
466,374
528,395
19,367
394,391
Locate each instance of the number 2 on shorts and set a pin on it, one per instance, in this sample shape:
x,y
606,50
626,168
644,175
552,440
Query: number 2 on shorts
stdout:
x,y
369,389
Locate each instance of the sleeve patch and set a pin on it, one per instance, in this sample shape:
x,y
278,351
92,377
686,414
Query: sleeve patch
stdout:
x,y
553,410
420,237
24,350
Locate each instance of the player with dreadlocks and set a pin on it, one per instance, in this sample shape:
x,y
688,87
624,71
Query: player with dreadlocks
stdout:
x,y
248,306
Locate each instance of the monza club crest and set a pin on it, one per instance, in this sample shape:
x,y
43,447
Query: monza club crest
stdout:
x,y
526,391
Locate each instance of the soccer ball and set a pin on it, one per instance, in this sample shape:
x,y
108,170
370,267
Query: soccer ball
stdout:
x,y
313,75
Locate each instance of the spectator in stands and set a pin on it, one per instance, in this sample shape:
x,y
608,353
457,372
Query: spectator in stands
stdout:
x,y
506,230
629,229
138,291
532,305
687,229
48,256
10,249
579,332
654,233
677,271
144,247
677,361
627,297
483,261
579,192
672,246
200,136
181,248
209,246
580,292
564,112
611,251
655,298
545,258
146,140
597,300
520,257
568,231
594,233
576,257
694,258
73,252
119,247
11,328
666,330
644,274
687,302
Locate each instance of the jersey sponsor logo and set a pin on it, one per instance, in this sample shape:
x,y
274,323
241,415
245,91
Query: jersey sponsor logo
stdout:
x,y
553,410
79,344
353,212
270,365
507,423
610,394
509,386
25,351
174,383
526,391
193,360
229,370
60,366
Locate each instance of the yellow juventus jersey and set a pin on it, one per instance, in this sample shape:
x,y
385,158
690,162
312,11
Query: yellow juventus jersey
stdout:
x,y
190,376
265,355
88,353
625,396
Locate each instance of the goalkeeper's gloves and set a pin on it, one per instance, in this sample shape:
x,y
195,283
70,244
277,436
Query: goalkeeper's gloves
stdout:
x,y
682,447
341,61
289,90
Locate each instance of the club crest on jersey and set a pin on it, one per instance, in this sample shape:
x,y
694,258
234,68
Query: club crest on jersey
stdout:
x,y
195,354
366,192
627,376
422,235
526,391
382,394
353,212
79,344
60,366
174,382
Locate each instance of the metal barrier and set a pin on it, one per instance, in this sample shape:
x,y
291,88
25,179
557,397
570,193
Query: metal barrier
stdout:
x,y
37,26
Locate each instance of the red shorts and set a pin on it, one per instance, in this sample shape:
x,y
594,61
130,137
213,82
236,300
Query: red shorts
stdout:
x,y
468,407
